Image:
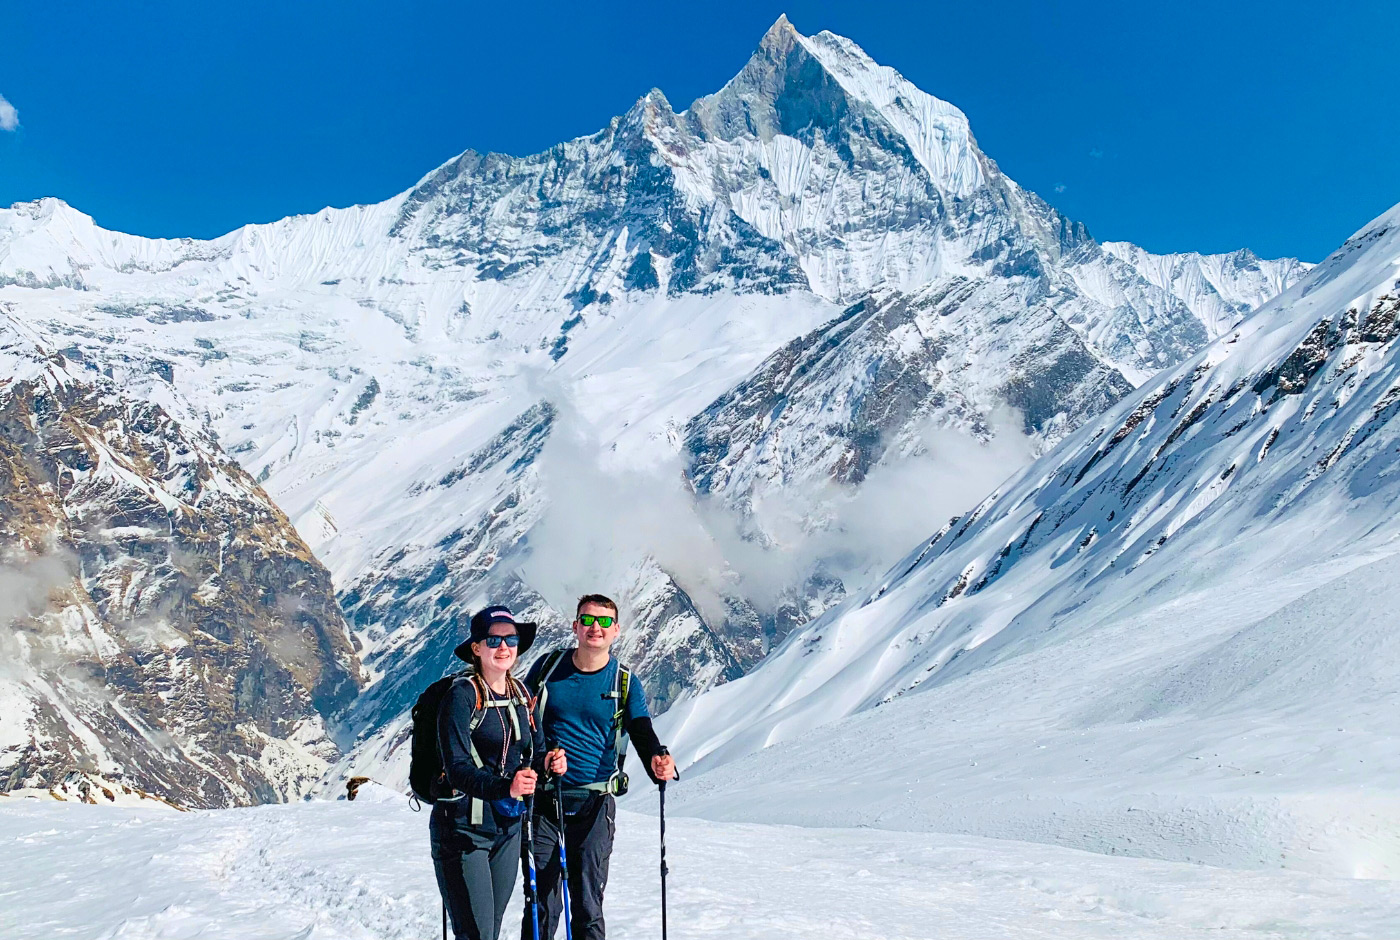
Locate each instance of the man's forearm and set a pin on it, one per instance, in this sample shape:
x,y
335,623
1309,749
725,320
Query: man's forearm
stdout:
x,y
648,745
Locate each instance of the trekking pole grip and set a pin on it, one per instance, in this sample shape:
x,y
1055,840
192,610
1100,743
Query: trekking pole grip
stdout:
x,y
675,773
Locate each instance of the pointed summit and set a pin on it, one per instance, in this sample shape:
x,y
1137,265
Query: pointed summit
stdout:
x,y
800,86
780,33
782,89
647,115
651,102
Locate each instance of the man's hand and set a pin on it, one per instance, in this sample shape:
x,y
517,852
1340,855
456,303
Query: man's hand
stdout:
x,y
663,767
523,783
556,763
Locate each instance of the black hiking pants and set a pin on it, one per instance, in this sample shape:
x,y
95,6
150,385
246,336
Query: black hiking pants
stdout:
x,y
589,840
476,869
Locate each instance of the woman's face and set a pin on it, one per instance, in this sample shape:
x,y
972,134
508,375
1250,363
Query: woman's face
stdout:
x,y
503,656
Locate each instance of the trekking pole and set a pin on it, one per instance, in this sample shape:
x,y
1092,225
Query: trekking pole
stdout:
x,y
527,850
444,920
664,869
663,860
563,854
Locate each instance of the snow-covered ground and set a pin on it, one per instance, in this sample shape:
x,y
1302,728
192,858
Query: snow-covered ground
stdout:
x,y
355,871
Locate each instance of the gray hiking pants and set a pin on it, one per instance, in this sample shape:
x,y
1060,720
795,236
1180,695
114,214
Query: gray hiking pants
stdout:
x,y
589,840
476,872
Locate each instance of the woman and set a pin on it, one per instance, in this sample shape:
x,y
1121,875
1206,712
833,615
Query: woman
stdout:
x,y
489,743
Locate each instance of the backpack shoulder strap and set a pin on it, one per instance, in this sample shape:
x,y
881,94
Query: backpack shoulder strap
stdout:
x,y
478,712
541,690
523,698
624,685
551,662
622,682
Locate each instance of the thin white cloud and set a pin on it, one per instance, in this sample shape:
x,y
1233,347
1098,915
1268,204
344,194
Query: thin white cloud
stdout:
x,y
1060,187
9,117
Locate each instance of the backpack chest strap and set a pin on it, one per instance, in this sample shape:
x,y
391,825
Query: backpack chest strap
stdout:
x,y
485,700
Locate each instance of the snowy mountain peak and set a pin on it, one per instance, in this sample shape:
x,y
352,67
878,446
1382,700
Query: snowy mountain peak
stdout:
x,y
781,29
797,86
44,208
649,115
818,237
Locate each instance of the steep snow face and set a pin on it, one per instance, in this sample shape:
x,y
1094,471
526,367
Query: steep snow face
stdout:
x,y
1197,584
937,133
165,627
394,375
1220,290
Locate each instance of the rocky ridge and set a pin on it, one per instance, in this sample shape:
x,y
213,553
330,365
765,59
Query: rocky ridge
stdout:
x,y
165,628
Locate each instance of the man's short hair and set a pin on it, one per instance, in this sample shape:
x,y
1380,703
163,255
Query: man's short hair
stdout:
x,y
600,600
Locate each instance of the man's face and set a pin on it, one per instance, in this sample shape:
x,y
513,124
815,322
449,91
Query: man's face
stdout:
x,y
595,636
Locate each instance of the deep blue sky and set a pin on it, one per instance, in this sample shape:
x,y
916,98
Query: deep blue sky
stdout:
x,y
1178,126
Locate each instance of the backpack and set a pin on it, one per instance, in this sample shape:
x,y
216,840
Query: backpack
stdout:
x,y
616,783
426,775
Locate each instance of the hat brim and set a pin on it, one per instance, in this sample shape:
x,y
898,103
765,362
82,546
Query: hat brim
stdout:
x,y
525,630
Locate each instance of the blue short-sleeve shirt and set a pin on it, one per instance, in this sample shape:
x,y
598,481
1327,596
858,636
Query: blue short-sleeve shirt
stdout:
x,y
579,714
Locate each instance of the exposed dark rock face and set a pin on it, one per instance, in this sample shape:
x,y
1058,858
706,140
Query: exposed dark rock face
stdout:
x,y
1382,324
1292,375
166,626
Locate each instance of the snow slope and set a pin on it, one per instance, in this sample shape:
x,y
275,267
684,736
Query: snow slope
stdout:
x,y
1172,636
361,871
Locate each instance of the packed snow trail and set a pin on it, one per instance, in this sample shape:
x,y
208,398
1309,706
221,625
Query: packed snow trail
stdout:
x,y
356,871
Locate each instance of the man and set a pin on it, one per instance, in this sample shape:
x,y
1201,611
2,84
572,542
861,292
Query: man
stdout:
x,y
587,702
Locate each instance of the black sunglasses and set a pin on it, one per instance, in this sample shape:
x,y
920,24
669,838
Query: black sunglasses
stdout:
x,y
494,641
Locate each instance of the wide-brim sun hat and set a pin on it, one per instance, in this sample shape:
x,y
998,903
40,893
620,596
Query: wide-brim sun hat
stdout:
x,y
481,628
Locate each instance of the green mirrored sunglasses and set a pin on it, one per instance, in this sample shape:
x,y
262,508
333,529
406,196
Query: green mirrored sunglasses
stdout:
x,y
589,620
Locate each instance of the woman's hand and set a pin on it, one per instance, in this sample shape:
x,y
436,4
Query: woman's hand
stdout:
x,y
556,763
523,783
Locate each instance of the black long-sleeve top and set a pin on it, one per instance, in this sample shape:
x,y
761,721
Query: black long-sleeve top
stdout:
x,y
491,782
